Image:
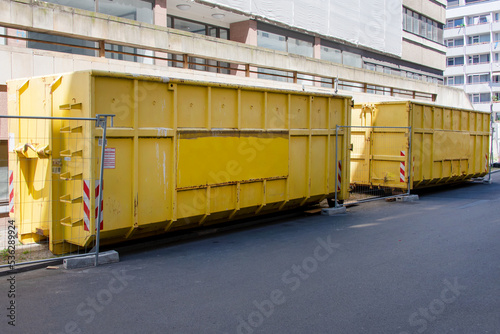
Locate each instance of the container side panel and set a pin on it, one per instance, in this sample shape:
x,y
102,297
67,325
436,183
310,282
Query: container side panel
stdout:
x,y
319,113
389,150
116,96
210,160
155,105
428,117
360,156
464,121
318,165
456,120
451,145
191,203
155,182
391,115
192,106
224,106
338,113
252,109
277,108
251,194
447,119
298,166
438,119
275,191
223,198
298,112
118,198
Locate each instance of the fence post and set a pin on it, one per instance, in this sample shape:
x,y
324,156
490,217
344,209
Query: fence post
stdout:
x,y
410,160
336,163
492,132
101,121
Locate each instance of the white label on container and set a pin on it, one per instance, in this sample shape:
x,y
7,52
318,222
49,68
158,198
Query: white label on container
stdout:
x,y
67,158
109,158
56,166
12,143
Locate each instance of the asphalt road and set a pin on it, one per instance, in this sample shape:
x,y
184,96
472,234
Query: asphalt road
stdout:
x,y
427,267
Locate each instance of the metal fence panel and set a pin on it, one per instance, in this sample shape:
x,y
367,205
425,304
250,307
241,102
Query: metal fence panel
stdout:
x,y
55,182
380,163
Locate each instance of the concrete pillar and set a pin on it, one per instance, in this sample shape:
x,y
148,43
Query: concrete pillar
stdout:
x,y
160,19
244,32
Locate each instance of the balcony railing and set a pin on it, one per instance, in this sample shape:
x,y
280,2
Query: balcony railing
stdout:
x,y
103,49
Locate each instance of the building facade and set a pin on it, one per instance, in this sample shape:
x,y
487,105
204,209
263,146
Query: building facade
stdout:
x,y
472,35
371,49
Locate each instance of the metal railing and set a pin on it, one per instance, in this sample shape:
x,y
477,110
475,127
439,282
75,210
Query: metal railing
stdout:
x,y
186,61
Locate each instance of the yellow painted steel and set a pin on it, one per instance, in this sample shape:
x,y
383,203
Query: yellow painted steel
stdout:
x,y
187,153
448,144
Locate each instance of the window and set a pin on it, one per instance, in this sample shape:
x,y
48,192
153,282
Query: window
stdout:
x,y
453,43
300,47
496,57
197,27
480,98
423,26
455,23
496,17
497,37
478,39
370,67
331,54
478,78
285,43
352,59
474,20
479,59
456,80
455,61
496,98
64,44
139,10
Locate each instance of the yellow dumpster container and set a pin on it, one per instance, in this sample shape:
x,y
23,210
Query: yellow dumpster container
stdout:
x,y
448,145
180,154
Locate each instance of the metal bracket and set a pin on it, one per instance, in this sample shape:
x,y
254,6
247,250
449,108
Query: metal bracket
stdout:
x,y
101,120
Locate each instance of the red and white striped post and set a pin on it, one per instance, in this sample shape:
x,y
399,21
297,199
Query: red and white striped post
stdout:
x,y
402,168
11,191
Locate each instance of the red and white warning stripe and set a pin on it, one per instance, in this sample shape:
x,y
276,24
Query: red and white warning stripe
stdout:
x,y
97,201
11,191
402,168
86,204
339,175
486,164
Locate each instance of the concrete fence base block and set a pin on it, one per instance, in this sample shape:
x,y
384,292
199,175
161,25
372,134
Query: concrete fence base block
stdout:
x,y
487,181
89,260
333,211
407,198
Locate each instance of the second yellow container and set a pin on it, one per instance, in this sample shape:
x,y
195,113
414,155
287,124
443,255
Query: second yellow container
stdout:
x,y
448,144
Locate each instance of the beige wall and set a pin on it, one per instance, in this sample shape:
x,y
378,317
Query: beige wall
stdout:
x,y
428,8
417,54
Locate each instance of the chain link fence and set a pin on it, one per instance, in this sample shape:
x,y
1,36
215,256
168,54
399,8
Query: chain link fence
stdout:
x,y
54,184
